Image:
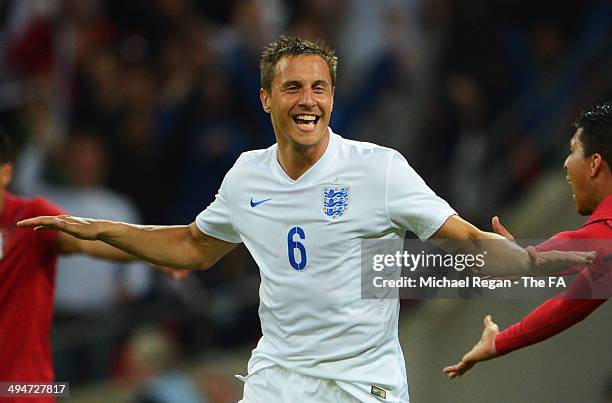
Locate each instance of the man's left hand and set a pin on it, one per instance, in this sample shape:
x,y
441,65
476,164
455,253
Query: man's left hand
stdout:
x,y
482,351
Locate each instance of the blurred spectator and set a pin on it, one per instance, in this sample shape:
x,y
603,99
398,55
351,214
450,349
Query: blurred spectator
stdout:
x,y
218,389
28,34
98,93
138,160
395,75
467,186
151,366
210,137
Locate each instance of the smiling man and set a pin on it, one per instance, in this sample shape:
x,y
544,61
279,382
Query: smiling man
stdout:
x,y
302,208
588,171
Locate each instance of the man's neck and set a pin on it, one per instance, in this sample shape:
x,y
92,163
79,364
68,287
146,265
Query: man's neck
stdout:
x,y
602,189
603,196
295,161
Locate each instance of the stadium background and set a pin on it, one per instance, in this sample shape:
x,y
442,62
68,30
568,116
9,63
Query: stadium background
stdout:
x,y
478,95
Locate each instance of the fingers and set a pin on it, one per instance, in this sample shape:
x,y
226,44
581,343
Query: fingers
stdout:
x,y
495,224
451,372
40,221
61,222
500,229
455,374
41,228
581,257
591,256
30,222
454,371
453,368
488,322
552,261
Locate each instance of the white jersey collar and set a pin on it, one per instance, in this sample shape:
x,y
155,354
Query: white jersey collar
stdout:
x,y
315,170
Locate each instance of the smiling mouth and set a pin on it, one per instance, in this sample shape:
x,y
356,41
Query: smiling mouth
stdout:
x,y
306,122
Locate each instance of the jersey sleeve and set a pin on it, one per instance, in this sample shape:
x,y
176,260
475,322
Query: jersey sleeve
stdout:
x,y
410,203
40,207
216,219
551,318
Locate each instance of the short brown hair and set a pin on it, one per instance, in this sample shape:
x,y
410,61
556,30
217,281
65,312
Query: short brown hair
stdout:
x,y
290,46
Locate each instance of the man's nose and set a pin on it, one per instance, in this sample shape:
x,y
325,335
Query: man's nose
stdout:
x,y
306,99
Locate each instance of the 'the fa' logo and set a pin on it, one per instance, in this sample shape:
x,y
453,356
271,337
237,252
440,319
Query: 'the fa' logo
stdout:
x,y
335,200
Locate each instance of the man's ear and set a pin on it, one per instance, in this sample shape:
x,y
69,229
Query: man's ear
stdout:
x,y
596,165
264,97
332,101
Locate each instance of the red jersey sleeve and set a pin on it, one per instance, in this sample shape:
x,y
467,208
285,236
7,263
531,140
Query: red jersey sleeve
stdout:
x,y
552,317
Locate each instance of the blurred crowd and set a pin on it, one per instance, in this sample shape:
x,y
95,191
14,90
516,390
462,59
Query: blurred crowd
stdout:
x,y
134,110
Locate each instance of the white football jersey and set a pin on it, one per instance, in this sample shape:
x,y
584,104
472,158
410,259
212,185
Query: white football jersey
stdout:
x,y
305,236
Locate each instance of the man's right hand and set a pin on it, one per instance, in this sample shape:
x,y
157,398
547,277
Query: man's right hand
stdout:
x,y
549,262
79,227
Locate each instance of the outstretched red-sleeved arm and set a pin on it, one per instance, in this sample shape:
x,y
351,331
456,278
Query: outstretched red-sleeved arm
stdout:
x,y
595,282
552,317
565,310
549,319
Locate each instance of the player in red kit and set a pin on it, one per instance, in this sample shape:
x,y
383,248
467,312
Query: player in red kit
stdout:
x,y
27,279
588,170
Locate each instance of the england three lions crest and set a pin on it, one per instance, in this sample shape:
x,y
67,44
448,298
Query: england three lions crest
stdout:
x,y
335,201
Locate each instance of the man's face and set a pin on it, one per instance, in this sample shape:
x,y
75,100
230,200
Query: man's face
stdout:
x,y
300,100
577,169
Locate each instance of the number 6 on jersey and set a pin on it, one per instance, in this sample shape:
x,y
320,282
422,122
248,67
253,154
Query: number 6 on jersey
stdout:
x,y
292,245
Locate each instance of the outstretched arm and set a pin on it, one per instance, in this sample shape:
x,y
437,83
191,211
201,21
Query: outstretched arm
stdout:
x,y
69,245
547,320
182,246
504,257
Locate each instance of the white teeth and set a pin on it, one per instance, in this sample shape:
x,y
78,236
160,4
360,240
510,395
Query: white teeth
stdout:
x,y
306,117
